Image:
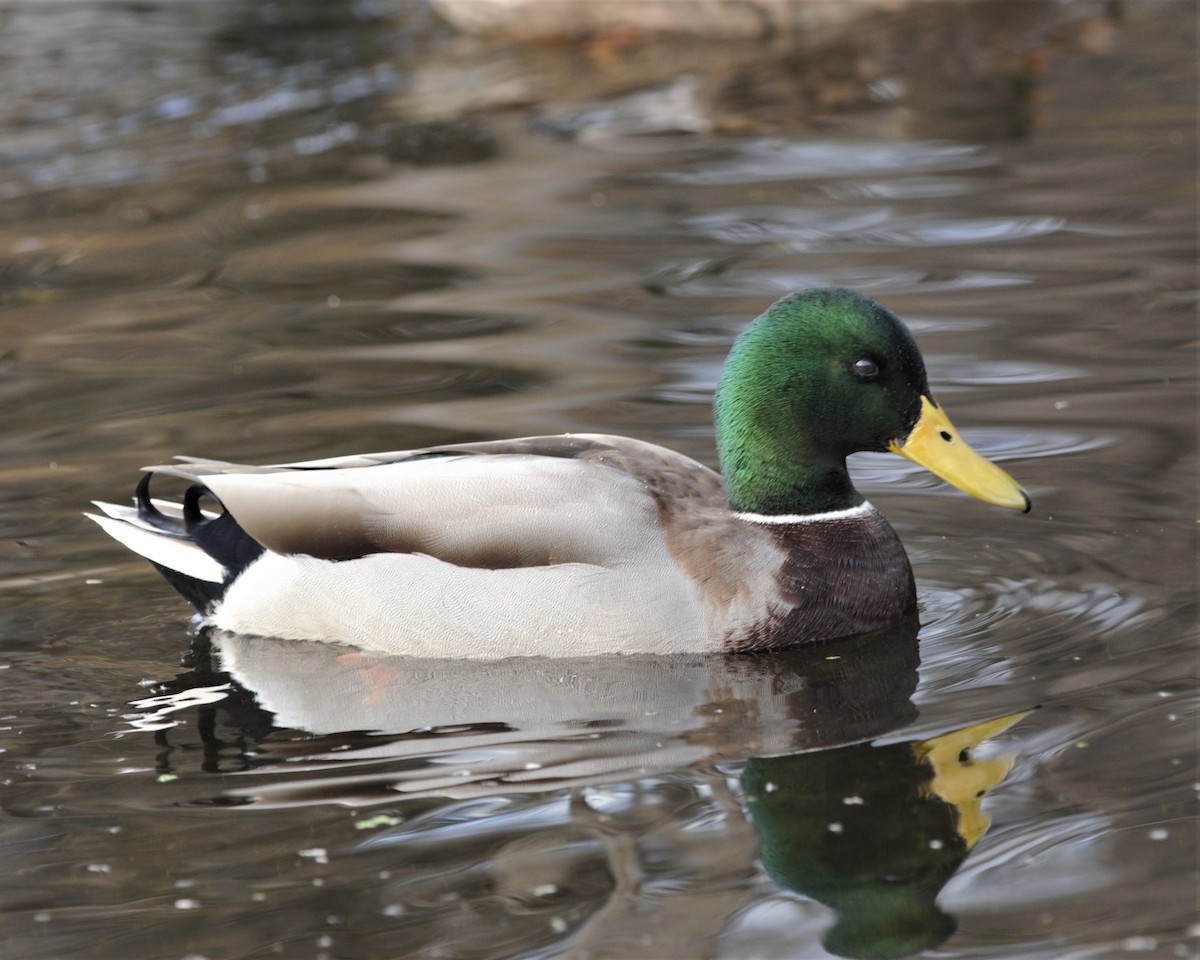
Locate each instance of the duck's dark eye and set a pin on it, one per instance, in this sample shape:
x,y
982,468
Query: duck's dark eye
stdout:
x,y
865,369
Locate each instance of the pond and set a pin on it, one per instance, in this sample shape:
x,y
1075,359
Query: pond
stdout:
x,y
268,233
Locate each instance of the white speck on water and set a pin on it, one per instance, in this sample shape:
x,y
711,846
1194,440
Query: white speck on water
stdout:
x,y
1139,944
771,787
380,820
316,854
835,828
1159,834
187,903
545,890
935,844
854,801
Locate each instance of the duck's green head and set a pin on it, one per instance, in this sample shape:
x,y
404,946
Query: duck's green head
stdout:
x,y
823,374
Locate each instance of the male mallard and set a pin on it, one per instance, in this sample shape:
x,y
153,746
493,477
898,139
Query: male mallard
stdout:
x,y
584,543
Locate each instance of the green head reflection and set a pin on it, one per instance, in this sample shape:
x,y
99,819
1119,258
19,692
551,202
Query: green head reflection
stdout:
x,y
875,832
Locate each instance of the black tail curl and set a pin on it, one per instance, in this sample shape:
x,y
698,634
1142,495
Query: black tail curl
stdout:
x,y
220,536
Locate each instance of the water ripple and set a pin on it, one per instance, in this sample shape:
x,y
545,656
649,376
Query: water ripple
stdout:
x,y
1053,860
908,188
959,612
770,159
725,278
804,230
968,371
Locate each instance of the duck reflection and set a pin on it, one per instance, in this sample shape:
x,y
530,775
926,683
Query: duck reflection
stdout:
x,y
872,830
373,726
876,831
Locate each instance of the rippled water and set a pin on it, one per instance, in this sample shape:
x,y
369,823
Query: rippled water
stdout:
x,y
353,230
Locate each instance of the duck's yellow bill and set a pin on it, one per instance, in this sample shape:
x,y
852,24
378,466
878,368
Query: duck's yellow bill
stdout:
x,y
936,445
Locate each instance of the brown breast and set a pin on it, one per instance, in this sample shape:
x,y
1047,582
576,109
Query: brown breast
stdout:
x,y
838,577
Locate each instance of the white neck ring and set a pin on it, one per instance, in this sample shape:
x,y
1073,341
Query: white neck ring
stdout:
x,y
849,513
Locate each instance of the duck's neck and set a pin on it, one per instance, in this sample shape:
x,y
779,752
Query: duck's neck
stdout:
x,y
769,475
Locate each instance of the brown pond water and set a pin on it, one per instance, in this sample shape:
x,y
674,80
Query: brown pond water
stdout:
x,y
273,232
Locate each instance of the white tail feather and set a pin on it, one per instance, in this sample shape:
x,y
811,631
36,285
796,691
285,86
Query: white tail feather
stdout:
x,y
127,514
181,555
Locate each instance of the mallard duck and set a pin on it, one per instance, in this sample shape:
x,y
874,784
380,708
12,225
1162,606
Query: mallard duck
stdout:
x,y
587,544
